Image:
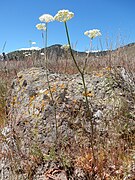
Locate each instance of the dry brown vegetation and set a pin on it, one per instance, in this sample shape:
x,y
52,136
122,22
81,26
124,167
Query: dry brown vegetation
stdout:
x,y
113,154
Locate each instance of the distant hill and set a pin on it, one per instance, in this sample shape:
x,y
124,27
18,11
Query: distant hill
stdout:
x,y
128,49
56,52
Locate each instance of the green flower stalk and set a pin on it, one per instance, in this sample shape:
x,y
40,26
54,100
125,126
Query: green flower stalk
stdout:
x,y
42,28
64,16
46,18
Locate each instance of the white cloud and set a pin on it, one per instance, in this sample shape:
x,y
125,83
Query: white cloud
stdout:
x,y
33,43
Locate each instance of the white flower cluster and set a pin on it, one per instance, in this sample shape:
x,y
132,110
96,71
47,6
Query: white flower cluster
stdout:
x,y
46,18
41,26
92,33
63,15
65,47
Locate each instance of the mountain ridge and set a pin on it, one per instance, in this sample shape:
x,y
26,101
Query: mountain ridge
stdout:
x,y
59,45
55,51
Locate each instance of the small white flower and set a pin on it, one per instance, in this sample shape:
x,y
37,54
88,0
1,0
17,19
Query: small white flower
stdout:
x,y
92,33
41,26
63,15
65,47
46,18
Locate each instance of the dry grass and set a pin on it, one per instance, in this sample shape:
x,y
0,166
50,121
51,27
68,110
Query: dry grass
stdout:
x,y
113,153
3,93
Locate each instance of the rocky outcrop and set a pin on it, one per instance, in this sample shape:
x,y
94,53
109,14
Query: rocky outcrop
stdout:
x,y
44,127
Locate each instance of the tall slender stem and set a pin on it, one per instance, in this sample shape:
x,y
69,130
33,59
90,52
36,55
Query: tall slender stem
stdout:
x,y
47,76
46,34
78,68
85,91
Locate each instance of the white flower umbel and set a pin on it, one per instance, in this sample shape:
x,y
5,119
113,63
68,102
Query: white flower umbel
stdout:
x,y
65,47
63,15
46,18
41,26
92,33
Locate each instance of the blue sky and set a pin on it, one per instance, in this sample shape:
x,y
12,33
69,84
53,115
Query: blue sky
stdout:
x,y
115,19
